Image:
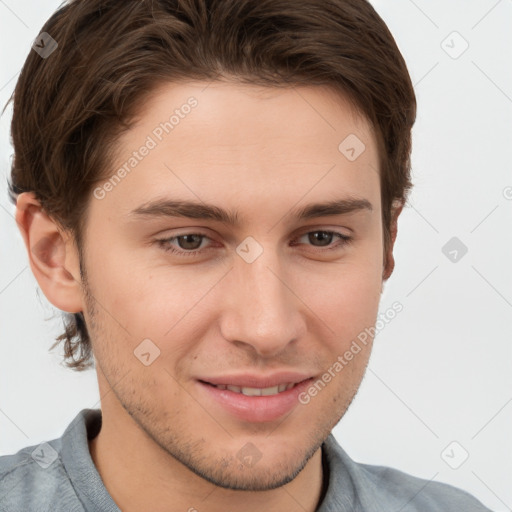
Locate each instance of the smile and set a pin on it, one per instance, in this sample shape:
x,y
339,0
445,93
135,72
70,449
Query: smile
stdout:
x,y
274,390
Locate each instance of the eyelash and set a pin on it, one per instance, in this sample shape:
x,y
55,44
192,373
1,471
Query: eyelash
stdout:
x,y
164,243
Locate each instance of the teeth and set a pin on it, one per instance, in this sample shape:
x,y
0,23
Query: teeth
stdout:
x,y
274,390
270,391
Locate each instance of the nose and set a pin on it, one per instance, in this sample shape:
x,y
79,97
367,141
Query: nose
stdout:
x,y
261,308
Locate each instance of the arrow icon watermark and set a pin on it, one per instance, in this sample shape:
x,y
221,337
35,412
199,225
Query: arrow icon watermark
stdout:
x,y
44,45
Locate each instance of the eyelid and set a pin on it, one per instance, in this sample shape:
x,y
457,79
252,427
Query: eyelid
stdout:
x,y
323,227
192,230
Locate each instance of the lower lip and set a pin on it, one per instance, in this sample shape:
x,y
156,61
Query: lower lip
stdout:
x,y
256,408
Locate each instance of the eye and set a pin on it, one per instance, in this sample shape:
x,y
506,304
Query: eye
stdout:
x,y
325,238
189,244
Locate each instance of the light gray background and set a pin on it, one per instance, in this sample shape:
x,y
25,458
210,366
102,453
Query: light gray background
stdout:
x,y
441,370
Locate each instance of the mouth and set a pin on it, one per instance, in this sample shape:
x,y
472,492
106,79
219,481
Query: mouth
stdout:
x,y
266,402
248,391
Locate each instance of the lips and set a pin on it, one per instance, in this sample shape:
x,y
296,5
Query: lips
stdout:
x,y
254,398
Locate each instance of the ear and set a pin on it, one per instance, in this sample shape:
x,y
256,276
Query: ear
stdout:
x,y
52,254
389,260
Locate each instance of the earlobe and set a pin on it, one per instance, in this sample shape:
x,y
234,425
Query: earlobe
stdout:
x,y
52,255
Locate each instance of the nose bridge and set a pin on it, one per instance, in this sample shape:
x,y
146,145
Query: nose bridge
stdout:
x,y
262,309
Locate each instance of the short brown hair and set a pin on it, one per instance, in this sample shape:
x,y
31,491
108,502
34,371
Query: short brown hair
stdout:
x,y
70,107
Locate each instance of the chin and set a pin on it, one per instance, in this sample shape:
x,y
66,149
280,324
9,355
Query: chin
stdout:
x,y
245,478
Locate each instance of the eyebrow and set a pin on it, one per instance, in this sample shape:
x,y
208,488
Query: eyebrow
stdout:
x,y
200,210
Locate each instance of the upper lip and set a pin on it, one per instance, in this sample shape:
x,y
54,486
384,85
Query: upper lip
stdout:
x,y
248,380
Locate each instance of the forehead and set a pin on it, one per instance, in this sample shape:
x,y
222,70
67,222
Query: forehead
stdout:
x,y
224,141
225,102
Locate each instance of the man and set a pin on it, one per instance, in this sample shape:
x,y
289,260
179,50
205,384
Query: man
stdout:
x,y
210,190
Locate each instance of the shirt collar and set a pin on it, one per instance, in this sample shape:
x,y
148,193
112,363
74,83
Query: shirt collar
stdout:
x,y
79,465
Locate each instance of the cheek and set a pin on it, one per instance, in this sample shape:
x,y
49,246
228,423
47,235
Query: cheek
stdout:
x,y
162,303
346,300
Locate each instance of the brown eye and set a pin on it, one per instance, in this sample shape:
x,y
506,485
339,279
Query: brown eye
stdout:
x,y
322,238
189,242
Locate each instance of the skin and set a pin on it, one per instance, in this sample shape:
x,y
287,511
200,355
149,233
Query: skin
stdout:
x,y
263,152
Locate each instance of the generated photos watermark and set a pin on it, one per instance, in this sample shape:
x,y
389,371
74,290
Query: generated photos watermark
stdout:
x,y
152,140
343,360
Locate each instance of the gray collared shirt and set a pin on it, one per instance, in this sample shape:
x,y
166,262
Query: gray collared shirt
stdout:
x,y
60,476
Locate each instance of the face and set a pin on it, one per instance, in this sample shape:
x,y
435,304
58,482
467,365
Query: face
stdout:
x,y
183,302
